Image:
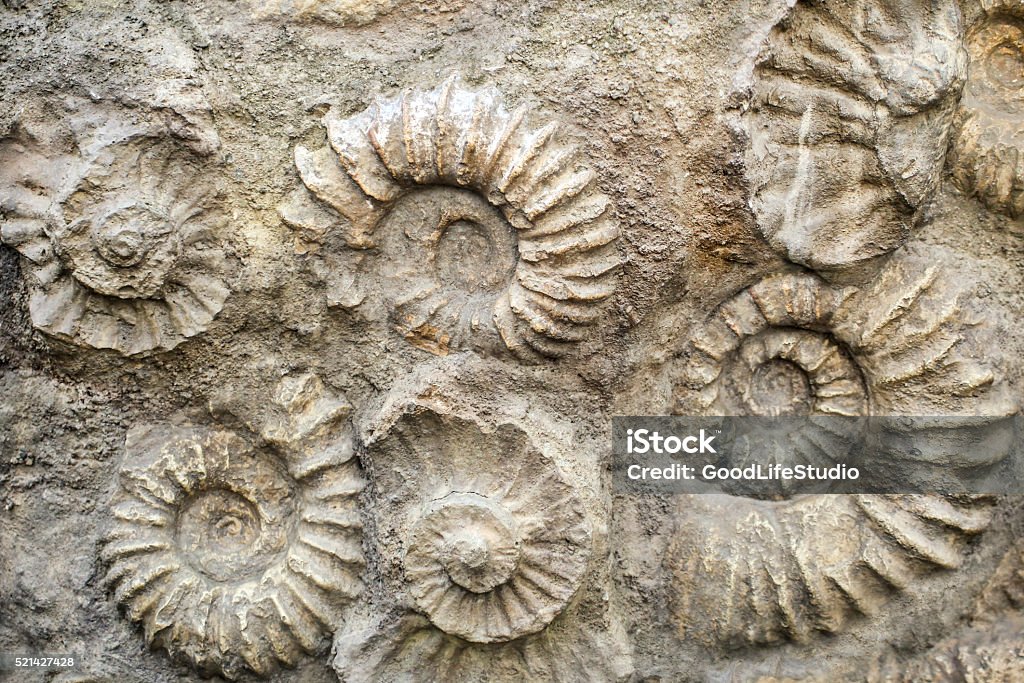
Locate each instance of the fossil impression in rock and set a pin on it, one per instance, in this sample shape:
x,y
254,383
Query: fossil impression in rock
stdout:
x,y
851,105
793,345
410,649
493,541
120,245
987,152
337,12
235,558
491,232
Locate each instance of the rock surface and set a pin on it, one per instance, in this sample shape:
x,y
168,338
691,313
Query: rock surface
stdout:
x,y
314,315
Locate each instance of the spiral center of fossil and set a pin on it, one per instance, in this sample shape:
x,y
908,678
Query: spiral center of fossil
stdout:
x,y
470,538
220,531
779,387
482,554
450,237
1006,66
123,239
468,553
466,256
997,66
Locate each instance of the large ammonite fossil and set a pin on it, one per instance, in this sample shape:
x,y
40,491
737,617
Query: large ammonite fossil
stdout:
x,y
851,103
792,345
234,558
987,153
492,540
489,230
122,248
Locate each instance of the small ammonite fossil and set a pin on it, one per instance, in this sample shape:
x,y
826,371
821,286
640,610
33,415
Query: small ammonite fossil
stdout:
x,y
791,344
492,540
491,232
234,558
987,151
850,107
121,247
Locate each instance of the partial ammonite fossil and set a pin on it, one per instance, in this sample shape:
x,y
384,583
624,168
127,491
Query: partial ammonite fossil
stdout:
x,y
409,648
987,152
121,244
491,232
793,345
851,104
493,541
811,564
232,557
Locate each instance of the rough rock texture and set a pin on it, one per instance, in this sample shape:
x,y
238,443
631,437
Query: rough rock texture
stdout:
x,y
314,315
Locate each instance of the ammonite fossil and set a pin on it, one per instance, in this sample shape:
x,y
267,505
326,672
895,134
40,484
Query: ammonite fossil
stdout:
x,y
793,345
850,107
493,541
491,232
987,152
234,558
122,249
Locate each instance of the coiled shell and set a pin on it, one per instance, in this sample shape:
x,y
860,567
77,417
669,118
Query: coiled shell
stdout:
x,y
411,649
494,542
233,558
488,228
809,565
122,245
907,344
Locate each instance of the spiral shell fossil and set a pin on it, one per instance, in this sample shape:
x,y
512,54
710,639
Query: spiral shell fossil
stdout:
x,y
234,558
497,541
987,152
122,250
490,231
793,345
851,104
